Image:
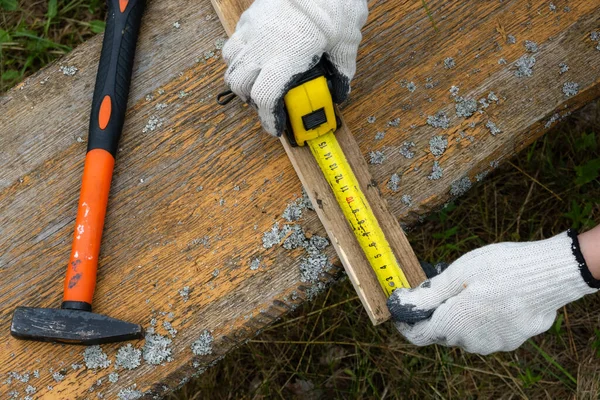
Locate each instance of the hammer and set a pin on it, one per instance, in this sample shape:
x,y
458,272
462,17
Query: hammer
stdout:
x,y
74,322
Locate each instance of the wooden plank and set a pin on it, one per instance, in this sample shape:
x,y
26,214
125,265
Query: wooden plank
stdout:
x,y
163,233
229,12
331,216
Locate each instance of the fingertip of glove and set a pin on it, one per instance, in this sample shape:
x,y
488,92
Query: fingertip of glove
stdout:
x,y
406,312
431,270
341,88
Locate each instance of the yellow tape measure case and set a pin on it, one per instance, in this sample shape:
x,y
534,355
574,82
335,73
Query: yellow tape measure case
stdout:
x,y
309,107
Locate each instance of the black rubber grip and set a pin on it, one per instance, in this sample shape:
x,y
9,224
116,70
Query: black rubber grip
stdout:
x,y
76,305
109,105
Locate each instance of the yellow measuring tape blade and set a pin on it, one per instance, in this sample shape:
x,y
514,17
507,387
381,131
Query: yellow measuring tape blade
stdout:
x,y
358,212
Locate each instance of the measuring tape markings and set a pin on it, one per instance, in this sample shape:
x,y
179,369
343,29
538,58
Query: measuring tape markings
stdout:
x,y
358,213
312,121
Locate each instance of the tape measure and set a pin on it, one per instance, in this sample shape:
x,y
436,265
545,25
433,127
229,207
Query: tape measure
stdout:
x,y
312,122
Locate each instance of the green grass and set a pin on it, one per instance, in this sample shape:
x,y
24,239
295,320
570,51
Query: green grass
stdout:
x,y
34,33
328,348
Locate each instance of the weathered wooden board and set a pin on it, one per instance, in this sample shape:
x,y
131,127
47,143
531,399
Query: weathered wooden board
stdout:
x,y
330,214
164,233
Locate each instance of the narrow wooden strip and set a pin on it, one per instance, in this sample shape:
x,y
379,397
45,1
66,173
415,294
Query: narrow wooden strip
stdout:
x,y
351,255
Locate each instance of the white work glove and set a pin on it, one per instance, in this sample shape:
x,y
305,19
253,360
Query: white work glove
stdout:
x,y
276,41
496,297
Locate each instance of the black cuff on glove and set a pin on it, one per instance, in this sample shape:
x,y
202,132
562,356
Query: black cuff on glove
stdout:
x,y
583,267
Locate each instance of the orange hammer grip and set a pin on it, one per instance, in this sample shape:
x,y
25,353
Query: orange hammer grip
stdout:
x,y
80,281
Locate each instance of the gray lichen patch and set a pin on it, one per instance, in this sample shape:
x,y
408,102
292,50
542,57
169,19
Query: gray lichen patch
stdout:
x,y
481,176
484,103
128,357
169,328
460,186
411,86
570,89
376,157
58,376
439,120
157,349
255,264
219,43
449,63
407,200
379,135
494,130
306,202
272,237
438,145
564,68
130,393
113,377
511,39
153,123
204,345
531,47
68,70
371,119
317,244
454,90
394,123
524,66
429,83
294,237
313,266
394,183
595,36
555,117
24,378
185,293
293,211
437,172
94,358
405,150
465,107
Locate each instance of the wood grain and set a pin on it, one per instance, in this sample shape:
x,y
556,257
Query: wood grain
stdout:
x,y
196,194
229,12
331,216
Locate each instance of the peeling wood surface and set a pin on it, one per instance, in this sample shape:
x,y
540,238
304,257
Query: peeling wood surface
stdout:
x,y
163,233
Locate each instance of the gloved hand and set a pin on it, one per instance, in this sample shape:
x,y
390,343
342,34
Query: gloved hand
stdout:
x,y
277,40
496,297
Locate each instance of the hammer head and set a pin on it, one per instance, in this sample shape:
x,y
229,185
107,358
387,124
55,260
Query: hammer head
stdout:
x,y
71,326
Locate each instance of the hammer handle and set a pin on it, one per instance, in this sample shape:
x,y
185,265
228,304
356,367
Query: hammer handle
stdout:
x,y
109,105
